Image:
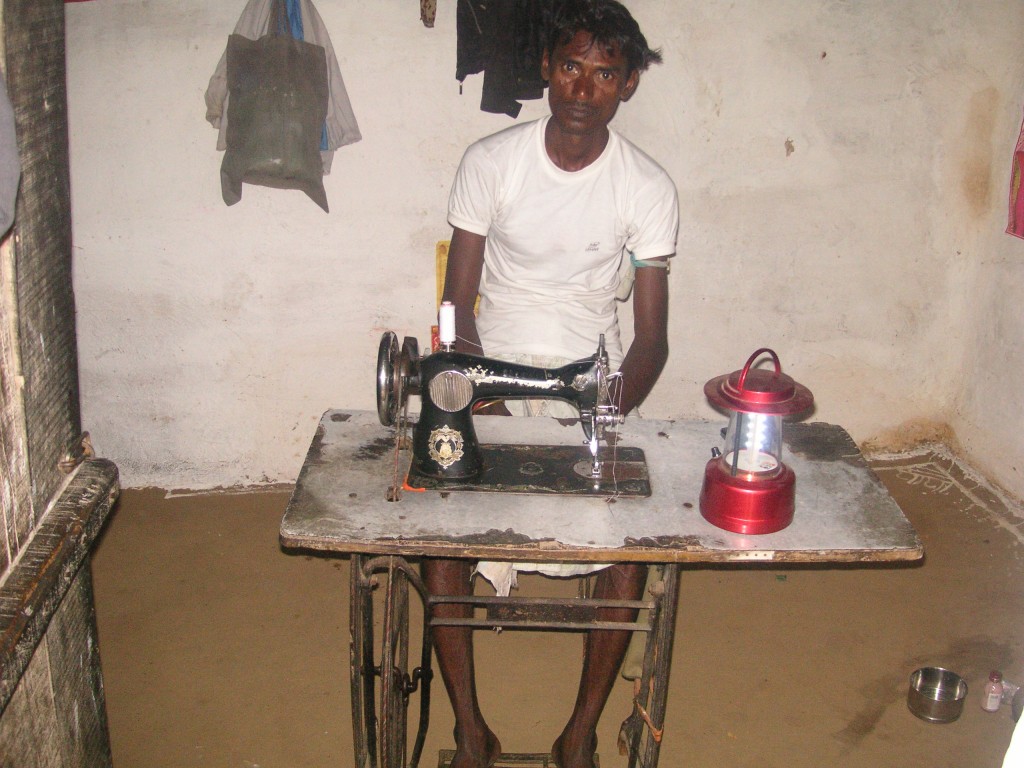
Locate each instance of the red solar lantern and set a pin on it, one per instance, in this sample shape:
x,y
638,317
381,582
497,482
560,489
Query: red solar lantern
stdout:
x,y
747,488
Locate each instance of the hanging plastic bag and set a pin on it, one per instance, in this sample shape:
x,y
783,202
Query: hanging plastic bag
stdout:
x,y
277,104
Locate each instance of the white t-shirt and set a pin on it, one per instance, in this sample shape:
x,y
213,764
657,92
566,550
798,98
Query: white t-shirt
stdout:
x,y
555,239
1014,757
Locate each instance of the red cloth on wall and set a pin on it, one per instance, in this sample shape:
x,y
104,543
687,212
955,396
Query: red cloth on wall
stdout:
x,y
1016,219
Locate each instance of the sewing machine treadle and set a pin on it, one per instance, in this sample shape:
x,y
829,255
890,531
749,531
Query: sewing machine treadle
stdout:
x,y
511,760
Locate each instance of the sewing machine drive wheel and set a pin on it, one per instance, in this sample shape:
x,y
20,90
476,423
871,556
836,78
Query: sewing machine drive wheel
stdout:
x,y
380,713
395,682
389,379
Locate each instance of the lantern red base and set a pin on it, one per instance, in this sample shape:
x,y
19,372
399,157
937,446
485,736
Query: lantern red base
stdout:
x,y
744,506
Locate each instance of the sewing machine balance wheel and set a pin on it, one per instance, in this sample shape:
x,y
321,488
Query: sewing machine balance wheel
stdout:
x,y
394,375
395,683
387,397
380,715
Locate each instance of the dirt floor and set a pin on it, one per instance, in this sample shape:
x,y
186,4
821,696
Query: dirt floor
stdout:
x,y
219,649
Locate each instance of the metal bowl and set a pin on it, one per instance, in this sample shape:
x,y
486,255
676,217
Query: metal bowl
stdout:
x,y
936,694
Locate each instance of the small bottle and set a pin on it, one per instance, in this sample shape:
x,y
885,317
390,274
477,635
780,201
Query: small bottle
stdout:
x,y
993,692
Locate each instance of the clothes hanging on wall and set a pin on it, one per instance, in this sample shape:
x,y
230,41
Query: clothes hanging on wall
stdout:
x,y
1015,226
341,125
504,40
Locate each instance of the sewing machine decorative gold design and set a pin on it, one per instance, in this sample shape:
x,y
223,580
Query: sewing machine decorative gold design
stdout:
x,y
446,452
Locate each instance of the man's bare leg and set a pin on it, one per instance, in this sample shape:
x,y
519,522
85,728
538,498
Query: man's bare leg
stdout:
x,y
602,656
475,745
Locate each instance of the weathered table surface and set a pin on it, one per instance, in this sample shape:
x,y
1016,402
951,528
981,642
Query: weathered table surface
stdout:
x,y
843,512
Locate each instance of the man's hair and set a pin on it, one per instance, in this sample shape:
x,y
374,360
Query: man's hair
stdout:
x,y
608,23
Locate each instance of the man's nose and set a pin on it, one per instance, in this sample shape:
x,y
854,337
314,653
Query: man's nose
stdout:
x,y
582,89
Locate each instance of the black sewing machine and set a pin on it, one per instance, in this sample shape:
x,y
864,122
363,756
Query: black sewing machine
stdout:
x,y
446,453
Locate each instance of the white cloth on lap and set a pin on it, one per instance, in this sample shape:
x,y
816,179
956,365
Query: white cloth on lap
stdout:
x,y
504,577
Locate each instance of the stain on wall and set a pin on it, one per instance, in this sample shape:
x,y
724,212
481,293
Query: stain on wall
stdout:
x,y
977,146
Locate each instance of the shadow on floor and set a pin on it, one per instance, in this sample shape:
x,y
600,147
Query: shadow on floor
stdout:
x,y
219,649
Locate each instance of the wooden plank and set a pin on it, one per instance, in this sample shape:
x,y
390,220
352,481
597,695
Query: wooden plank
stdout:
x,y
36,585
42,725
51,695
15,486
35,63
76,678
30,720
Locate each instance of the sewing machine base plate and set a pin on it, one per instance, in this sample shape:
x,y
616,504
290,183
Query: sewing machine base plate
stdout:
x,y
550,469
510,760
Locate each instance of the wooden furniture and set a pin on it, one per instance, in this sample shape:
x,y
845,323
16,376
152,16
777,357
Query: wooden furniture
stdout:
x,y
341,504
54,496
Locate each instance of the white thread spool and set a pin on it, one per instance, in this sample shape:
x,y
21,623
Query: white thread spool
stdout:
x,y
446,323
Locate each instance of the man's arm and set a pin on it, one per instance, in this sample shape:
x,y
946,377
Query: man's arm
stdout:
x,y
462,284
649,350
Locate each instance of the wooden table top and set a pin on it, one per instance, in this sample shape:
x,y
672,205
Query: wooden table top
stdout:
x,y
843,512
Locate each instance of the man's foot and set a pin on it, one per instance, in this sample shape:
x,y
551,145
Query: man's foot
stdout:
x,y
567,754
480,749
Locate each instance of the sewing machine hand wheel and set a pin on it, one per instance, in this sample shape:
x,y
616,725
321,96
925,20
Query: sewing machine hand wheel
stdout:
x,y
394,375
387,382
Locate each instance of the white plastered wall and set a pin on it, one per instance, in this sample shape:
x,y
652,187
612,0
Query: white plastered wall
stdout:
x,y
842,170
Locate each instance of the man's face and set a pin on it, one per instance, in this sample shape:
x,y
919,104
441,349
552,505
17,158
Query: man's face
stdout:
x,y
586,83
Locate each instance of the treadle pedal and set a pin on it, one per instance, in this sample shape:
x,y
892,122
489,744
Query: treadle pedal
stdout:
x,y
510,760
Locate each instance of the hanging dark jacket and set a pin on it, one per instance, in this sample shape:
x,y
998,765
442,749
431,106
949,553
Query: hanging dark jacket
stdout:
x,y
505,40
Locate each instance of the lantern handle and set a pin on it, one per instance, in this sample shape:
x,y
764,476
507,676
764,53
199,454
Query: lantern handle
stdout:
x,y
750,362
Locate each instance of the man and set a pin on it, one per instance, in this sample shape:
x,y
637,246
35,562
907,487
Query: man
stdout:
x,y
542,215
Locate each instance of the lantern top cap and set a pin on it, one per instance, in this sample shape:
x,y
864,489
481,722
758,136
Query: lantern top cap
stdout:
x,y
758,390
